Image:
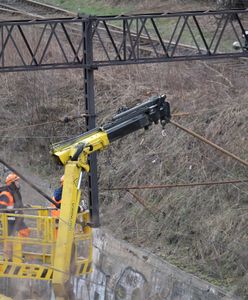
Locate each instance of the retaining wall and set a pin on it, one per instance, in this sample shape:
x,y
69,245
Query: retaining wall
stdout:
x,y
123,272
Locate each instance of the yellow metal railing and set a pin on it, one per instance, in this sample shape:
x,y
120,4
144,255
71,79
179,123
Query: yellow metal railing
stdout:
x,y
33,256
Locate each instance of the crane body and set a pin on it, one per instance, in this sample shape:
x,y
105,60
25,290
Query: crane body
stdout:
x,y
71,247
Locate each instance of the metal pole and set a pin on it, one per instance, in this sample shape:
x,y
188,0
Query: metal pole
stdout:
x,y
29,183
90,118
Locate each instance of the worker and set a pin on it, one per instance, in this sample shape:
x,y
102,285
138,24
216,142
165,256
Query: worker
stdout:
x,y
10,198
57,197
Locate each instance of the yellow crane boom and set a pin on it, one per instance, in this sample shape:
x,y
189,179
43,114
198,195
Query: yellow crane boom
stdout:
x,y
67,254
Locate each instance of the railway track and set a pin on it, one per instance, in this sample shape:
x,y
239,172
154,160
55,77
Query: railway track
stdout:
x,y
32,8
37,10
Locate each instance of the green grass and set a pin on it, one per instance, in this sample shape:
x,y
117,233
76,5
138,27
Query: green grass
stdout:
x,y
92,7
104,7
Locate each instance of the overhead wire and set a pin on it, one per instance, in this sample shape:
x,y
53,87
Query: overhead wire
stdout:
x,y
143,203
213,145
177,185
227,248
29,126
65,119
230,174
183,185
196,135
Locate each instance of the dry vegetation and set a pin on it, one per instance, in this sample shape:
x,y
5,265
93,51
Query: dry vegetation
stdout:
x,y
204,228
201,229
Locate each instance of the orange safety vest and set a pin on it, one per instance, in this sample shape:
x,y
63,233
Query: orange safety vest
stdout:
x,y
9,204
23,230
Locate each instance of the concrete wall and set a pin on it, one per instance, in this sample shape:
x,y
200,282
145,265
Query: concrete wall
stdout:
x,y
123,272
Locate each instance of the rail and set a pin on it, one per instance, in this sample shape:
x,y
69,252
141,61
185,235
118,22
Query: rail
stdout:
x,y
37,9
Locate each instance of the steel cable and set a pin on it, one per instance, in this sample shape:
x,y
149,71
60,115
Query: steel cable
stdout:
x,y
210,143
175,185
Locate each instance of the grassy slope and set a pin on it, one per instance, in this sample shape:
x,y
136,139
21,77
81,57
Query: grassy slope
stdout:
x,y
203,230
91,6
105,7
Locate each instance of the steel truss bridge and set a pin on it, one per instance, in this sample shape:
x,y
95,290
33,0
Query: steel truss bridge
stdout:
x,y
91,42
